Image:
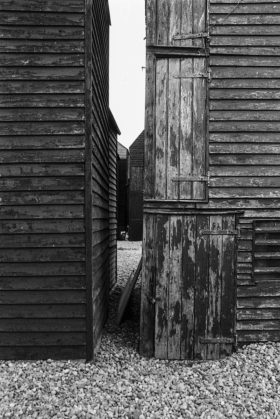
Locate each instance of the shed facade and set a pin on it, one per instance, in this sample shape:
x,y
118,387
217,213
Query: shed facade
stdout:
x,y
135,194
122,198
211,182
54,189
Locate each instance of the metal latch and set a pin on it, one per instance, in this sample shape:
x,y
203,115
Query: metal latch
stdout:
x,y
151,299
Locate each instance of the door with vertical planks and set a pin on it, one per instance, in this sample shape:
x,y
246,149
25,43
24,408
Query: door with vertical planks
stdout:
x,y
194,295
176,143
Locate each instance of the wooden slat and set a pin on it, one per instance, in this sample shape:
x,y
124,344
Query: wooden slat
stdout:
x,y
42,338
42,241
42,311
41,197
41,183
269,288
244,137
41,32
42,142
42,73
69,46
44,325
245,182
44,60
41,352
258,336
41,114
46,19
258,9
43,87
45,297
42,255
258,314
41,226
48,5
52,268
241,159
42,283
246,105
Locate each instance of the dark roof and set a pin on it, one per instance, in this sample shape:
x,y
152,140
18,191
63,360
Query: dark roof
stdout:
x,y
113,123
122,151
136,151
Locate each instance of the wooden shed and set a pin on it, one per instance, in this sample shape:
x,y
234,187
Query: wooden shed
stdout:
x,y
211,260
122,198
135,182
56,181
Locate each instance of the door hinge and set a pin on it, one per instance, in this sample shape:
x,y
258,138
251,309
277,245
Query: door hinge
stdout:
x,y
151,299
217,340
198,75
219,232
182,36
192,179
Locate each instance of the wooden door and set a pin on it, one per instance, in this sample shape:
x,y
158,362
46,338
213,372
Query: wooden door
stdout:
x,y
195,289
176,130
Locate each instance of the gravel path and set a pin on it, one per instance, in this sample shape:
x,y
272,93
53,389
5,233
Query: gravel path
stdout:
x,y
122,385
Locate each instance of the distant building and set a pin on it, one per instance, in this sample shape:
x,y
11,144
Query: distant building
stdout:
x,y
122,205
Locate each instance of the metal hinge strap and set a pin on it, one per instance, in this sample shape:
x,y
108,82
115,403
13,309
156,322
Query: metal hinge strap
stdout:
x,y
183,36
192,178
219,232
198,75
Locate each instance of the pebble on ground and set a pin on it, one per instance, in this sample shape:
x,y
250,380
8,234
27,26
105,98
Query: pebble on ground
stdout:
x,y
121,384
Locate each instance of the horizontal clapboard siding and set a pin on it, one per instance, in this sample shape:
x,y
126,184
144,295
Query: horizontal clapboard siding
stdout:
x,y
244,148
42,187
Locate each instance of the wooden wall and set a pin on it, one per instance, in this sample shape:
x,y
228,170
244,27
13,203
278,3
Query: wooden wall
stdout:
x,y
100,167
244,151
122,189
136,166
42,141
113,133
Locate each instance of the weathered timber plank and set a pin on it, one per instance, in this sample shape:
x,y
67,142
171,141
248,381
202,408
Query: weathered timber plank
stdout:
x,y
244,148
151,15
147,321
42,142
224,115
172,161
161,131
43,101
42,128
42,241
245,73
241,61
263,29
162,280
243,193
42,183
69,6
41,226
245,105
243,41
188,286
39,211
44,325
249,19
247,203
37,19
41,32
258,336
41,197
241,159
41,352
201,286
239,83
42,283
43,297
245,182
174,288
42,73
244,137
42,311
265,288
258,9
51,268
259,325
258,314
12,87
30,45
42,339
42,255
257,303
215,287
42,114
45,60
41,156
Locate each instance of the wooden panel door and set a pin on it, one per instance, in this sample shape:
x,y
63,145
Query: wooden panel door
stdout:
x,y
195,293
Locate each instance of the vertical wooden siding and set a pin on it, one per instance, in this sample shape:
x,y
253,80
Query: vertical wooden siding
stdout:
x,y
100,167
244,143
42,257
122,189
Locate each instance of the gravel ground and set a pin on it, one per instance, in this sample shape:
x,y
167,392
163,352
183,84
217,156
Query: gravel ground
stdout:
x,y
122,385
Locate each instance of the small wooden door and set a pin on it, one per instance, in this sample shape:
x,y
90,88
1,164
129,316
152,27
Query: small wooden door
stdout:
x,y
195,293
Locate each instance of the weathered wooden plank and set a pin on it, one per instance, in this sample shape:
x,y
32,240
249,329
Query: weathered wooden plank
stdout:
x,y
243,41
42,311
244,257
149,172
175,288
239,83
42,255
162,282
241,159
147,321
250,19
34,46
186,128
42,128
245,182
37,19
12,87
245,105
265,288
243,8
257,303
52,268
151,16
262,29
44,325
42,114
244,137
172,161
69,6
41,32
258,314
244,148
41,226
200,10
42,241
247,203
187,22
42,283
42,183
161,115
188,286
42,73
241,61
55,60
163,17
201,286
258,336
258,325
224,115
41,197
42,142
41,352
243,193
41,156
42,338
215,287
43,297
42,211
